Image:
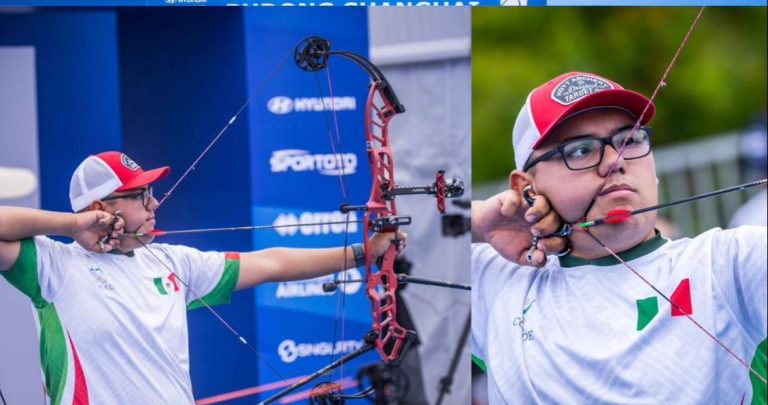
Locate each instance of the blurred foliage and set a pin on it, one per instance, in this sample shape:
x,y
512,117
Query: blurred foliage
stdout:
x,y
717,85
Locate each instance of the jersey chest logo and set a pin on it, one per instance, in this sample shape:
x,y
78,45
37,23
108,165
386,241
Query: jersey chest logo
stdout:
x,y
101,281
526,332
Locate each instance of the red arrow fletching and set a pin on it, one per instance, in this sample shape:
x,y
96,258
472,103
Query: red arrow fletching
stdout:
x,y
616,216
157,232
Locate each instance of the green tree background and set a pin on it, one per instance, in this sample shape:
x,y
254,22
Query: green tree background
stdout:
x,y
717,85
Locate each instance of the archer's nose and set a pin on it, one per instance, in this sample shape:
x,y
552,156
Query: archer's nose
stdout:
x,y
153,204
612,162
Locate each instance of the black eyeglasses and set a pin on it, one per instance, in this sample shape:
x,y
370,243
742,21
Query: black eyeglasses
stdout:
x,y
145,194
586,153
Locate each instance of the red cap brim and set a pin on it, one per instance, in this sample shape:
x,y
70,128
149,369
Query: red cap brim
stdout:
x,y
629,100
148,177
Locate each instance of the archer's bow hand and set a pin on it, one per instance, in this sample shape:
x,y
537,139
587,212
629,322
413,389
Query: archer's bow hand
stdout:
x,y
97,231
381,241
507,222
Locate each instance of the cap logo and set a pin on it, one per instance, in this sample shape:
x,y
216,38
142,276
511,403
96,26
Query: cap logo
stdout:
x,y
576,87
127,162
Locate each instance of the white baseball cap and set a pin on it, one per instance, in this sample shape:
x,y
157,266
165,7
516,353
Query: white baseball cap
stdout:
x,y
101,175
564,96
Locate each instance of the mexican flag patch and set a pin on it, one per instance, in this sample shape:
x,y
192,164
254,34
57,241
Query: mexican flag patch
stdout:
x,y
164,285
648,308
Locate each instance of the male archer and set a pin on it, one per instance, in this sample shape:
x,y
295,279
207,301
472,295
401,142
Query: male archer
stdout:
x,y
111,306
578,326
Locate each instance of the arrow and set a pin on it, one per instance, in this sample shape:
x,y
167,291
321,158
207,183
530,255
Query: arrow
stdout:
x,y
619,215
158,232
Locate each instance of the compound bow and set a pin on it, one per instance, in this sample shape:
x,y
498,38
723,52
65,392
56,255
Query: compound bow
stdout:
x,y
387,336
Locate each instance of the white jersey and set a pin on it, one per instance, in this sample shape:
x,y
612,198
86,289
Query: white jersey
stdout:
x,y
593,332
113,327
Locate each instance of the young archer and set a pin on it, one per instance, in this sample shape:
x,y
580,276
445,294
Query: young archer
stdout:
x,y
581,327
112,317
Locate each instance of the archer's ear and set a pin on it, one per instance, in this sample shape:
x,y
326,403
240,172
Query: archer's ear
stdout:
x,y
518,179
97,205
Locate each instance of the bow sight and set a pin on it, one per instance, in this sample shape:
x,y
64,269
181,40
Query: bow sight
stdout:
x,y
441,189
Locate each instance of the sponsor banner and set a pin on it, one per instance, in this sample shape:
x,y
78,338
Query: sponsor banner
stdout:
x,y
299,160
281,105
316,223
300,343
289,350
308,295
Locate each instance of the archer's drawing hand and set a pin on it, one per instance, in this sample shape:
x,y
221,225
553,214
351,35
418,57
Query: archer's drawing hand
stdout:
x,y
90,229
508,223
381,241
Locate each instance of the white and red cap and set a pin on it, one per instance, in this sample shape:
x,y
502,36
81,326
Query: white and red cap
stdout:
x,y
564,96
101,175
